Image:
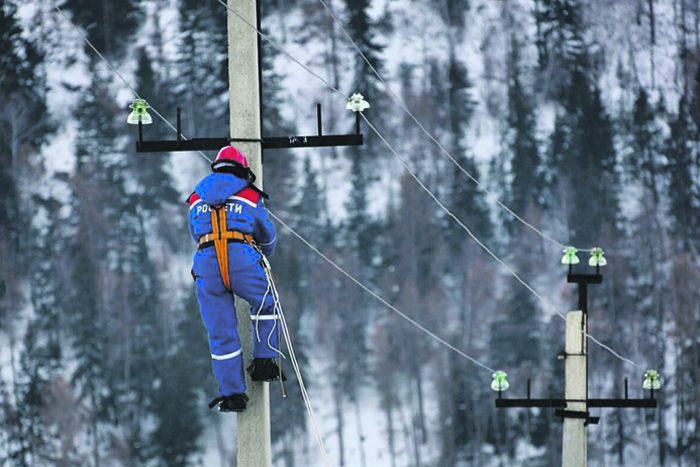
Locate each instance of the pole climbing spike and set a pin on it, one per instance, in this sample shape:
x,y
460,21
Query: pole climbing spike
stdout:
x,y
499,383
570,256
357,103
139,112
597,258
651,380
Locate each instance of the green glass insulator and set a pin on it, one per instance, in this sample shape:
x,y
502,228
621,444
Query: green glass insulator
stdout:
x,y
651,380
570,256
139,112
499,382
357,103
597,258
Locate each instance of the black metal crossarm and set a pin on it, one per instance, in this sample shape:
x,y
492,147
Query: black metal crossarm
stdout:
x,y
276,142
561,405
626,402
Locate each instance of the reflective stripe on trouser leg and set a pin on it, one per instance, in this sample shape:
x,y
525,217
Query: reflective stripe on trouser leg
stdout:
x,y
251,285
269,331
219,315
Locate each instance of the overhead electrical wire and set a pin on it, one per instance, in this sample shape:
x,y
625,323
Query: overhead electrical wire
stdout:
x,y
126,83
307,401
364,287
442,148
306,242
445,209
378,297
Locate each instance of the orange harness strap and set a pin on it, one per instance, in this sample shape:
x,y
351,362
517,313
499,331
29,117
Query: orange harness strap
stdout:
x,y
218,223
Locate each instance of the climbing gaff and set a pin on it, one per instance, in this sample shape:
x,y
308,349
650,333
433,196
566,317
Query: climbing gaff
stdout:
x,y
139,113
570,256
499,382
651,380
357,103
597,259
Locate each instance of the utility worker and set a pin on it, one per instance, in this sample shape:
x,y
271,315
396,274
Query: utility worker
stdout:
x,y
231,227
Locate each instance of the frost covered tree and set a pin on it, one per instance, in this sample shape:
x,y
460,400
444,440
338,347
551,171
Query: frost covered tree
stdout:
x,y
560,41
201,85
109,24
527,181
682,190
361,29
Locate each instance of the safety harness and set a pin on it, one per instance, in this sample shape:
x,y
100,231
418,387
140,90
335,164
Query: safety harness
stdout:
x,y
219,238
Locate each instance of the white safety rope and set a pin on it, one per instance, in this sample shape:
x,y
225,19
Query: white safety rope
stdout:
x,y
295,364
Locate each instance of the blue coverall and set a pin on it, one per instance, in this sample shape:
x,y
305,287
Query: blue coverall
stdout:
x,y
245,213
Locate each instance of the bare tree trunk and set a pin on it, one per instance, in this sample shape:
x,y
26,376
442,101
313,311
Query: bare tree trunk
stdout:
x,y
696,395
680,431
95,431
421,409
541,46
220,442
13,370
415,427
652,31
621,436
407,433
656,278
697,24
360,432
388,411
338,400
334,50
684,48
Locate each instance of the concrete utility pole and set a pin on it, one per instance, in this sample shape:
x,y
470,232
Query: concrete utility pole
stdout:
x,y
573,408
575,452
244,96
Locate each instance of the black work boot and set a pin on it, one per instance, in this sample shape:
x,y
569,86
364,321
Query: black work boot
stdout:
x,y
232,403
265,369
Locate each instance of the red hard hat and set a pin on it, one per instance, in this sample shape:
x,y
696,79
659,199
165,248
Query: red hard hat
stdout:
x,y
229,153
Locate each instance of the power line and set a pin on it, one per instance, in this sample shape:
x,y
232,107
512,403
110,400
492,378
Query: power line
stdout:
x,y
442,148
375,295
275,44
418,325
126,83
307,401
546,302
447,211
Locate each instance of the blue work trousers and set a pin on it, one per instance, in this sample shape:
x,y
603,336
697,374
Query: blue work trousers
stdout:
x,y
248,281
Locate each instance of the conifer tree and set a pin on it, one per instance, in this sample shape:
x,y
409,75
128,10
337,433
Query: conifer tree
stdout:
x,y
360,28
467,201
560,42
22,116
585,161
95,145
178,408
453,12
644,159
682,193
202,84
279,167
527,183
38,367
109,24
162,204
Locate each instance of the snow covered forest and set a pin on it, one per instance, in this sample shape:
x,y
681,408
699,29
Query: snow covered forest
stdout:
x,y
581,116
